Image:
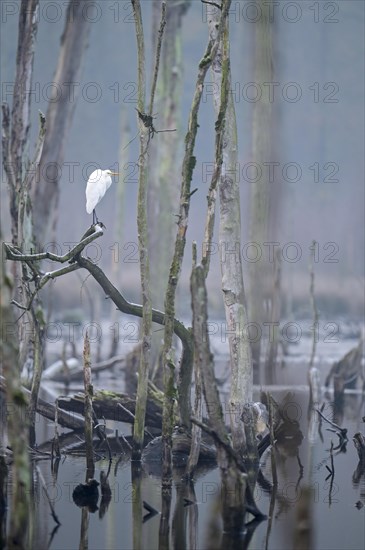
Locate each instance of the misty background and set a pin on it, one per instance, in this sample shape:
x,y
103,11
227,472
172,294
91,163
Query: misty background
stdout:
x,y
318,108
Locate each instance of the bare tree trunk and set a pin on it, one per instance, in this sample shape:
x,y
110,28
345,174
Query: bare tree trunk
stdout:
x,y
233,480
313,372
20,176
120,207
229,243
274,335
198,409
45,192
163,195
88,410
16,422
175,268
261,155
163,160
20,114
142,223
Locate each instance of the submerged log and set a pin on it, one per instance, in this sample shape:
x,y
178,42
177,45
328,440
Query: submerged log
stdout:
x,y
181,444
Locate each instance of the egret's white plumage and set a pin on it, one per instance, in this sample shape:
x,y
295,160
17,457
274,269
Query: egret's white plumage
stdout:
x,y
97,185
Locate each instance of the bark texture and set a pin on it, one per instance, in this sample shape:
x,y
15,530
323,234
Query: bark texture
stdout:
x,y
230,239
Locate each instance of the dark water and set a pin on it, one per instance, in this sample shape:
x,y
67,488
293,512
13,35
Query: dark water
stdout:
x,y
337,523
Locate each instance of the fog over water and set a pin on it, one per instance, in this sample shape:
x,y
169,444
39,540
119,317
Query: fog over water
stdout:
x,y
316,167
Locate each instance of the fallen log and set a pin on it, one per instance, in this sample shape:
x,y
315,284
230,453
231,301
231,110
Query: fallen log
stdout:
x,y
65,419
106,405
59,372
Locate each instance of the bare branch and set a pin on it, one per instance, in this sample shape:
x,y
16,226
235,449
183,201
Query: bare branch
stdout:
x,y
158,54
13,253
211,4
32,171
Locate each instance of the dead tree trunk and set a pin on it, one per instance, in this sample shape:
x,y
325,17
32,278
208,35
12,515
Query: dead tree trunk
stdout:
x,y
261,155
16,424
230,238
45,192
274,335
233,480
188,166
163,196
163,159
20,177
88,410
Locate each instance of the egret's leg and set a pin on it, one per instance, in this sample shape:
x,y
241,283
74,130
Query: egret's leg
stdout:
x,y
95,218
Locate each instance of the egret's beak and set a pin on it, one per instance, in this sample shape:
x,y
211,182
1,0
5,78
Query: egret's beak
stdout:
x,y
114,173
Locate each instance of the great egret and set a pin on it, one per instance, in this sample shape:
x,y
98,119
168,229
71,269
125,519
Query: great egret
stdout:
x,y
97,185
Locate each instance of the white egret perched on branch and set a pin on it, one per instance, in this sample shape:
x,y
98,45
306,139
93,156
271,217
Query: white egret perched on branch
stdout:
x,y
97,185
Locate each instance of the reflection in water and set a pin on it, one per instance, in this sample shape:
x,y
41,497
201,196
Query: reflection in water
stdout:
x,y
191,512
164,531
106,493
84,541
136,471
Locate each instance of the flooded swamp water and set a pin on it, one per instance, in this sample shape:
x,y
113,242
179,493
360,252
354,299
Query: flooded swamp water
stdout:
x,y
121,522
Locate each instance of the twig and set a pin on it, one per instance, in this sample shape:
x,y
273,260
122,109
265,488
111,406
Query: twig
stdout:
x,y
331,475
212,4
124,439
134,418
343,431
102,434
56,441
53,512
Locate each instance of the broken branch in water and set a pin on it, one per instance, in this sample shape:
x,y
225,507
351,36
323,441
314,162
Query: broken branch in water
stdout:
x,y
342,432
53,512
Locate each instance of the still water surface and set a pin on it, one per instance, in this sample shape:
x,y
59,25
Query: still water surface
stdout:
x,y
338,524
